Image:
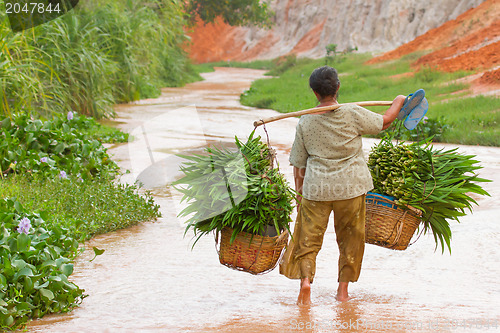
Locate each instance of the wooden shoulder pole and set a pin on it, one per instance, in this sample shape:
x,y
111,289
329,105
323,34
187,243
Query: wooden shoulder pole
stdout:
x,y
316,110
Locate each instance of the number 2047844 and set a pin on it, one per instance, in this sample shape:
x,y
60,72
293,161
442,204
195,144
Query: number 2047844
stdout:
x,y
31,7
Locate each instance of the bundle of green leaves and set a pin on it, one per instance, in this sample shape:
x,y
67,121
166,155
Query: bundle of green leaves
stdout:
x,y
61,147
427,128
438,182
237,188
36,261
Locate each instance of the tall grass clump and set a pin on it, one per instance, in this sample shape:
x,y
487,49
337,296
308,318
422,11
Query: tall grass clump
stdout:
x,y
100,53
82,73
20,65
144,39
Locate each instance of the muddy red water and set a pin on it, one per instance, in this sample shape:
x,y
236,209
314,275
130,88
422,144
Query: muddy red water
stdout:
x,y
149,279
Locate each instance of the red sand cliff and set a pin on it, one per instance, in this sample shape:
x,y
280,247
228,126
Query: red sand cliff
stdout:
x,y
470,42
214,42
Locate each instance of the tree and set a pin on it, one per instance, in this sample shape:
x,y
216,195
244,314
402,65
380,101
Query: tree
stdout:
x,y
331,53
232,12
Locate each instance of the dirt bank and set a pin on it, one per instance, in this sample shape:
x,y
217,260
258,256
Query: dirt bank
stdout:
x,y
468,31
469,43
207,44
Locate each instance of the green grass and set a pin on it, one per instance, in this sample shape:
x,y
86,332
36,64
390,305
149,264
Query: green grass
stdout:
x,y
470,120
203,68
474,121
256,64
87,208
105,133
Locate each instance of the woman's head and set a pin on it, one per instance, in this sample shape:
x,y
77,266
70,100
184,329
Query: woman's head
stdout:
x,y
324,81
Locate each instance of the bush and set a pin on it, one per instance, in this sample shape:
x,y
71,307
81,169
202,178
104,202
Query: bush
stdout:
x,y
60,169
36,260
282,64
57,147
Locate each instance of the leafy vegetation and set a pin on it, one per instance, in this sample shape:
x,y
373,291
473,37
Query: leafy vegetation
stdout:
x,y
437,182
239,189
86,208
426,128
57,188
453,117
60,166
106,52
57,147
36,260
234,12
42,222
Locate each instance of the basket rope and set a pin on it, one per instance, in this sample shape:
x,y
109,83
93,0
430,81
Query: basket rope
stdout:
x,y
258,253
418,237
399,226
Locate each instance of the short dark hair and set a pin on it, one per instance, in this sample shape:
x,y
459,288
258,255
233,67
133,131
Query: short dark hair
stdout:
x,y
325,81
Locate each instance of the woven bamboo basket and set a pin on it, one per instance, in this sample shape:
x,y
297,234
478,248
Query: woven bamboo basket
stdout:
x,y
254,254
388,225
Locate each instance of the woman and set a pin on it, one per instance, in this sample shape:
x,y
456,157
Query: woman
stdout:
x,y
331,175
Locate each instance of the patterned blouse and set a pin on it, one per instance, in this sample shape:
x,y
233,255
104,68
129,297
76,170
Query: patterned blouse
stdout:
x,y
329,146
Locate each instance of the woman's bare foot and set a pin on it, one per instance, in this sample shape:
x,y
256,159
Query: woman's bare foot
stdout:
x,y
342,294
305,292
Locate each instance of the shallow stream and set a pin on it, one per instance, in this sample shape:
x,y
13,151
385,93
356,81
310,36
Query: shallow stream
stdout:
x,y
149,279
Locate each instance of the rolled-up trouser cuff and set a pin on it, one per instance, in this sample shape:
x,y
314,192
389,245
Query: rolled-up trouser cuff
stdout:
x,y
307,269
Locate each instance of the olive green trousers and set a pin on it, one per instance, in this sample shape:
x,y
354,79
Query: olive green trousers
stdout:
x,y
299,260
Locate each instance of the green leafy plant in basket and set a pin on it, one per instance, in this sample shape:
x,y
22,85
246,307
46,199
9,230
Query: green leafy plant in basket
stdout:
x,y
436,181
235,188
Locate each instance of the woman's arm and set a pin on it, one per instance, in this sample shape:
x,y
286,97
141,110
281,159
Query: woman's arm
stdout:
x,y
298,175
393,111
